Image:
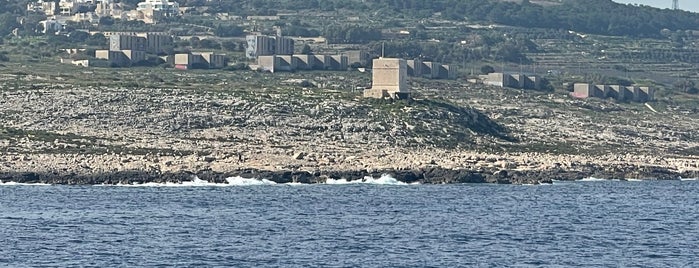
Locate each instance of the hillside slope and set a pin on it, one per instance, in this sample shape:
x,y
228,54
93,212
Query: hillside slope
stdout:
x,y
228,121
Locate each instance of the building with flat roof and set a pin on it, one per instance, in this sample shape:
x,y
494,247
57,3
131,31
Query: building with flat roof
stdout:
x,y
51,26
263,45
87,16
46,7
259,45
389,79
72,7
431,70
414,67
125,49
127,42
620,93
110,9
121,58
519,81
360,58
288,63
151,42
155,10
198,60
214,60
284,45
157,42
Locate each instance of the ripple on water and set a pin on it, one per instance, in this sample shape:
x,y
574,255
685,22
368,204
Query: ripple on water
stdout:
x,y
573,224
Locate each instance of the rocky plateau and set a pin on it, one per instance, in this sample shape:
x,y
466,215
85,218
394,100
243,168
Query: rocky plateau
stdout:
x,y
60,131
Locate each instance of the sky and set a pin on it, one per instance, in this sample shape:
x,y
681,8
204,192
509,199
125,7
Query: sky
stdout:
x,y
689,5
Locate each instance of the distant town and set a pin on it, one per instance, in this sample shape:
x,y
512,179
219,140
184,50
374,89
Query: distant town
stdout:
x,y
187,35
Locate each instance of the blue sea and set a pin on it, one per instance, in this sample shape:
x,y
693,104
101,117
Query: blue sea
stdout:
x,y
378,223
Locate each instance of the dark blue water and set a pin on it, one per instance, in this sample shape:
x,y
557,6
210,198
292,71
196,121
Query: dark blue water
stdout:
x,y
590,224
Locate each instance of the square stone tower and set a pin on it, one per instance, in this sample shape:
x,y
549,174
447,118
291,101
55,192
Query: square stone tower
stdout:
x,y
389,79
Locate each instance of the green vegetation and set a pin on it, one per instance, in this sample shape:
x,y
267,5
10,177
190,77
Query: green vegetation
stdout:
x,y
569,41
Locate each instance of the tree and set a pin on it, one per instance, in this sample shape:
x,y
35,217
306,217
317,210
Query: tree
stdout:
x,y
487,69
4,57
209,44
106,21
687,86
97,39
194,41
78,36
12,6
229,45
228,31
8,22
294,30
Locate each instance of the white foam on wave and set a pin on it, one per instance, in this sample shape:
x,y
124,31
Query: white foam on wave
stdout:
x,y
240,181
634,180
590,179
689,179
197,182
12,183
385,179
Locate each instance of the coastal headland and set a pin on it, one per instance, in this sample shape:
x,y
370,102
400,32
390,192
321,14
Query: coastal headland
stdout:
x,y
172,126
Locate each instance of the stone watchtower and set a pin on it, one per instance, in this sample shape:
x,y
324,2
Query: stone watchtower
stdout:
x,y
389,79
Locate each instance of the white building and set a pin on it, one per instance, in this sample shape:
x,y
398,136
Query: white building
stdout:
x,y
89,17
46,7
110,9
71,7
262,45
154,10
51,26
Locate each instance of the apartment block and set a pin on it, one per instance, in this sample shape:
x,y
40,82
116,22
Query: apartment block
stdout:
x,y
358,57
520,81
414,67
287,63
157,42
262,45
284,45
259,45
152,11
151,42
621,93
338,62
127,42
72,7
430,69
121,58
198,60
46,7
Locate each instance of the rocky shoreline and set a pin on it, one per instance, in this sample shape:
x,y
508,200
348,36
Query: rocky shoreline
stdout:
x,y
253,126
428,175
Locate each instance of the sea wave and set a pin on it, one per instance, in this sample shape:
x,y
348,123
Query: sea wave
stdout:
x,y
12,183
385,179
590,179
689,179
197,182
240,181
